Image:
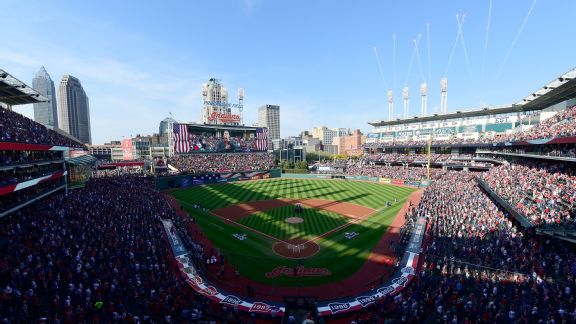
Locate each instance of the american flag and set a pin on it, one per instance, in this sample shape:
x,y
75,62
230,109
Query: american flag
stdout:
x,y
262,139
181,140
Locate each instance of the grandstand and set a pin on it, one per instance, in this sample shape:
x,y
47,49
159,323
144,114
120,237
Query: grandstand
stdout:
x,y
490,240
31,155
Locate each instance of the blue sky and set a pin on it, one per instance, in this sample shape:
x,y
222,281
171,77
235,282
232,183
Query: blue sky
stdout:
x,y
138,61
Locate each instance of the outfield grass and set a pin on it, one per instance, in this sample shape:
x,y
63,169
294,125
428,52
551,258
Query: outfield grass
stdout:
x,y
254,256
273,222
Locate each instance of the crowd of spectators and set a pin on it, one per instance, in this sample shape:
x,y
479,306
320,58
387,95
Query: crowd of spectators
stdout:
x,y
559,150
210,143
16,198
544,192
393,172
562,124
97,255
479,268
413,158
16,175
223,162
27,157
17,128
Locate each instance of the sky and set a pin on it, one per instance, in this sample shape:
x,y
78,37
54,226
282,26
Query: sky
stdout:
x,y
323,62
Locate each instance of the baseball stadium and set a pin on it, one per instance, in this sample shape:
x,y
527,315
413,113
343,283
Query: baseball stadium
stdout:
x,y
448,216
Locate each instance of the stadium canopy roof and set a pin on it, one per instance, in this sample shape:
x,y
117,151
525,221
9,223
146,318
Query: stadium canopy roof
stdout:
x,y
556,91
82,160
560,89
15,92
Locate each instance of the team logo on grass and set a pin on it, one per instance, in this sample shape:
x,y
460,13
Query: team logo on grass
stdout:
x,y
365,300
338,307
299,271
260,307
350,235
400,281
231,300
408,270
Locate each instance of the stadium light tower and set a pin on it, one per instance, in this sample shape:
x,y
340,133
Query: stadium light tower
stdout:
x,y
390,104
444,97
406,97
423,90
241,104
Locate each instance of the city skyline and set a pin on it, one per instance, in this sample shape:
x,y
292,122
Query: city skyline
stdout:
x,y
332,63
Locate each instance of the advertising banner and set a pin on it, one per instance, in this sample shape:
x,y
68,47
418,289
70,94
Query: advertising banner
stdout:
x,y
406,133
385,180
372,137
445,131
201,285
126,149
395,285
397,181
412,183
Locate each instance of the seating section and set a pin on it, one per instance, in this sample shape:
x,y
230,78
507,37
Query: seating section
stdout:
x,y
479,268
97,255
223,162
543,192
17,128
563,124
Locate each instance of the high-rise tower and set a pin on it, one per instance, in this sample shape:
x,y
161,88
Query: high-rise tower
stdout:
x,y
269,117
45,113
73,109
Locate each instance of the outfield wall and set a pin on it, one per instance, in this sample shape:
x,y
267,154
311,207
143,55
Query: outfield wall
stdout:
x,y
188,180
411,183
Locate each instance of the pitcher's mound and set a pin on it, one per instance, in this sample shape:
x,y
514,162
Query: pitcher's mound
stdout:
x,y
296,249
294,220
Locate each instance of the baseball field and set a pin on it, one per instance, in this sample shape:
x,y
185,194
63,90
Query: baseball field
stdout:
x,y
288,232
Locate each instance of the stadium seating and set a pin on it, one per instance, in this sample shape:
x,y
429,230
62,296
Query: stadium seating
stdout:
x,y
562,124
479,268
544,192
223,162
17,128
96,255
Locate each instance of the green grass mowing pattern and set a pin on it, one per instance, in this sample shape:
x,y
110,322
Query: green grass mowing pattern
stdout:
x,y
362,193
254,256
273,222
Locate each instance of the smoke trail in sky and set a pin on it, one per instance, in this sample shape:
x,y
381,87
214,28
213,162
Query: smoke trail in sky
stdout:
x,y
516,38
486,37
380,67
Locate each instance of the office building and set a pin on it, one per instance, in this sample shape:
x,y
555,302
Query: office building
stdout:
x,y
73,109
45,113
269,117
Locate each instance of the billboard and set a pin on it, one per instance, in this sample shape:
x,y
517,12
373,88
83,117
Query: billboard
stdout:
x,y
127,149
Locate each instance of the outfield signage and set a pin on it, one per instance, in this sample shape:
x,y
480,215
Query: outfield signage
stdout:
x,y
395,285
224,117
222,104
200,285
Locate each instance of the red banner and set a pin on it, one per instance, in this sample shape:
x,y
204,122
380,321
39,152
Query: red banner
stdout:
x,y
127,149
398,181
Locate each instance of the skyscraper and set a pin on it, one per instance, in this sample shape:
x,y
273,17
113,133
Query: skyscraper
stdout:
x,y
45,113
73,109
269,117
